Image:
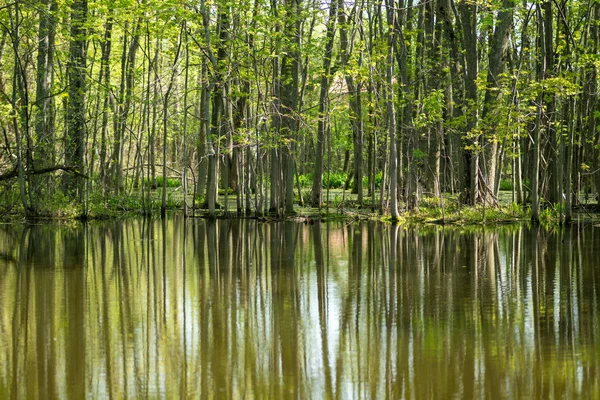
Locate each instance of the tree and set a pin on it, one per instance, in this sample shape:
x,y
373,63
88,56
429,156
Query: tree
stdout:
x,y
74,148
317,187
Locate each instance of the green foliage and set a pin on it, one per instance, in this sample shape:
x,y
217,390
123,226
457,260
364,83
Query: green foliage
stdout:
x,y
506,184
173,202
431,109
9,197
60,205
305,180
378,180
430,210
502,111
419,154
335,180
517,210
171,182
552,214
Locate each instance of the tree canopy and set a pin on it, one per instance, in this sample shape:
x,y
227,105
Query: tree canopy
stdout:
x,y
103,100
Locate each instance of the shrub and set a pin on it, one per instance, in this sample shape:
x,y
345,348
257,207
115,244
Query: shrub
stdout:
x,y
335,180
378,180
221,191
506,184
305,180
171,182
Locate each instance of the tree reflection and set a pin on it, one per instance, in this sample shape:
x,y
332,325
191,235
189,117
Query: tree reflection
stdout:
x,y
240,309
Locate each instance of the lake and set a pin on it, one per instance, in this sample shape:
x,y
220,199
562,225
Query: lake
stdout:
x,y
243,309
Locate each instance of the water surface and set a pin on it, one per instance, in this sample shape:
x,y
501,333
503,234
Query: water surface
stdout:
x,y
242,309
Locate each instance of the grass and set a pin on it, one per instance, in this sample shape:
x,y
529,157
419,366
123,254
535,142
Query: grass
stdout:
x,y
341,204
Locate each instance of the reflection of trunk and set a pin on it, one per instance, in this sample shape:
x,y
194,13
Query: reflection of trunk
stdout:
x,y
205,305
489,315
322,300
105,320
43,243
286,304
75,305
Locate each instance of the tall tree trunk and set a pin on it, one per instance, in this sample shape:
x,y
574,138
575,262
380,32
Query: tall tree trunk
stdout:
x,y
537,134
155,96
455,94
125,100
77,91
354,92
317,188
275,195
211,187
168,91
290,77
391,113
184,167
468,12
493,96
104,82
201,137
19,103
593,118
44,120
554,154
570,111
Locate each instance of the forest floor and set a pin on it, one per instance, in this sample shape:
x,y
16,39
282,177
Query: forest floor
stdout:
x,y
342,205
339,205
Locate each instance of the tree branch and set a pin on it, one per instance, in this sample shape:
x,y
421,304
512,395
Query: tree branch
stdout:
x,y
14,173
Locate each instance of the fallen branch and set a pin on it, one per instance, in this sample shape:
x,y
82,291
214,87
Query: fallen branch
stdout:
x,y
489,191
14,173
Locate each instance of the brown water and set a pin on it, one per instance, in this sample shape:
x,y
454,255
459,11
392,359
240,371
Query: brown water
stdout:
x,y
241,309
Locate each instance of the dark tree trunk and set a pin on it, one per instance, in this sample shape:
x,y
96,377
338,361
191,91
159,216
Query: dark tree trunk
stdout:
x,y
77,90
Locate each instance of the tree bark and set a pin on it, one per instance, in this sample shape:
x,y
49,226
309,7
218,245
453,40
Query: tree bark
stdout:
x,y
468,12
540,76
317,188
493,96
393,157
354,95
77,91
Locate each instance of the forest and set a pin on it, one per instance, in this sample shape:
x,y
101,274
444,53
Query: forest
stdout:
x,y
256,106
